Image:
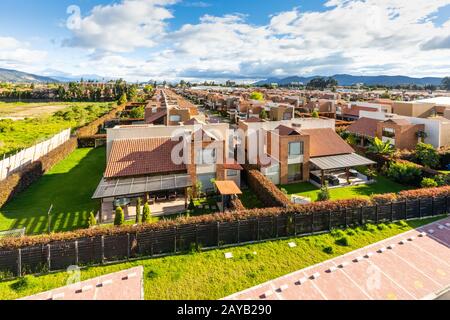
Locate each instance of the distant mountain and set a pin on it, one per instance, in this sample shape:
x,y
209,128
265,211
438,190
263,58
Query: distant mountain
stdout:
x,y
85,77
7,75
348,80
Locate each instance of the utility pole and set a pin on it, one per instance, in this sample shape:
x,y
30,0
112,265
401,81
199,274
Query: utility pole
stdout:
x,y
49,217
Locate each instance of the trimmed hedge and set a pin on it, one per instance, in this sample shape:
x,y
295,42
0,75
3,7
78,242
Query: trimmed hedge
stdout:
x,y
265,190
19,181
306,209
236,204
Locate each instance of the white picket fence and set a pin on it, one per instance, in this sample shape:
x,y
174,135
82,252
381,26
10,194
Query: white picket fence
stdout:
x,y
11,164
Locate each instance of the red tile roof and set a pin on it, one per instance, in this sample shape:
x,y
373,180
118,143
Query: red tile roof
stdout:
x,y
326,142
365,127
354,110
156,116
286,131
137,157
253,119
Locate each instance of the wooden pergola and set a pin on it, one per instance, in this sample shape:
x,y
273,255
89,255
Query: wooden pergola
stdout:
x,y
227,188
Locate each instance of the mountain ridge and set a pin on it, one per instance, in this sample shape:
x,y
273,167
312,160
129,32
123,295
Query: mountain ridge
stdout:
x,y
9,75
348,80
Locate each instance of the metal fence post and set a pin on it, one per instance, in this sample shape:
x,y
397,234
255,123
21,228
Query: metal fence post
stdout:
x,y
432,206
103,248
49,258
175,239
329,219
361,215
276,226
420,208
218,233
392,211
19,262
257,230
376,214
312,222
345,215
295,224
239,232
76,252
128,245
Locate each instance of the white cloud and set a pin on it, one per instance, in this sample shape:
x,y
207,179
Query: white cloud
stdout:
x,y
121,27
17,54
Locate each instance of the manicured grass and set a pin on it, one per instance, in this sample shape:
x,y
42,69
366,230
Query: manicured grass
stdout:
x,y
250,200
208,275
382,185
69,186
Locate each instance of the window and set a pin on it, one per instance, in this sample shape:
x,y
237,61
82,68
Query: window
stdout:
x,y
287,116
388,132
206,156
295,172
175,118
232,173
295,149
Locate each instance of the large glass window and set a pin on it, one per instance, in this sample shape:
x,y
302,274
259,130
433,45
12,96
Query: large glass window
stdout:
x,y
232,173
206,156
295,172
388,132
175,118
295,149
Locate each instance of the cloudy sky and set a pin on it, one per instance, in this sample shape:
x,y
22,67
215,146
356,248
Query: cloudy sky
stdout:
x,y
225,39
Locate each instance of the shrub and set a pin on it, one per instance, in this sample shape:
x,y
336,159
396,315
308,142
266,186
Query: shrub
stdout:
x,y
26,282
404,172
328,250
402,223
138,210
257,96
427,155
119,218
381,226
343,241
123,99
369,227
337,233
324,193
350,232
191,204
146,213
315,114
265,190
384,198
428,183
92,221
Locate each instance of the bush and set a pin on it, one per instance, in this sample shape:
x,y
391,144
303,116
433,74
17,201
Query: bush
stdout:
x,y
92,221
404,172
427,155
328,250
265,190
344,241
119,218
138,210
428,183
26,282
146,213
324,193
191,205
337,233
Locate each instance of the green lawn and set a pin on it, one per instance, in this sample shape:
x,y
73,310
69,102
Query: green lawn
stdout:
x,y
382,185
208,275
69,186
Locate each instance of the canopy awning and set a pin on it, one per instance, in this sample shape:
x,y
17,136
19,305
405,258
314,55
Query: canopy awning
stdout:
x,y
133,186
341,161
227,188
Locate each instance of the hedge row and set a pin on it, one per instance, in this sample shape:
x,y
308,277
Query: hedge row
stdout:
x,y
19,181
89,141
92,128
237,205
265,190
306,209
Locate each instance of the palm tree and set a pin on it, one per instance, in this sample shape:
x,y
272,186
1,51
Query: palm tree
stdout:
x,y
377,146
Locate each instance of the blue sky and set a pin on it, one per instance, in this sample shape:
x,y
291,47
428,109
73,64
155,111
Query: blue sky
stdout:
x,y
220,39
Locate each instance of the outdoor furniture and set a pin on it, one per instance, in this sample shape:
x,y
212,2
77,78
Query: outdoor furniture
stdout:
x,y
353,172
173,196
161,198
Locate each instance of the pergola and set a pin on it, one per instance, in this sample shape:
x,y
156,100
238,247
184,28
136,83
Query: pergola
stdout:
x,y
343,161
227,188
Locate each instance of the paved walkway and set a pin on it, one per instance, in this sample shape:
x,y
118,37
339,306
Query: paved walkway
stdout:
x,y
412,265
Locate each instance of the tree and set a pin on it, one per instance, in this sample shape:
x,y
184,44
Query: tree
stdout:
x,y
148,89
255,95
137,112
138,210
263,114
379,147
146,214
119,218
446,83
427,155
92,221
315,114
123,99
324,193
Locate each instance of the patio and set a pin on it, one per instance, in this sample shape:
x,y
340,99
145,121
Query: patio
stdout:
x,y
340,178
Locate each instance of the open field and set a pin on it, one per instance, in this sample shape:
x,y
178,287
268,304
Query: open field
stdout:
x,y
382,185
208,275
51,119
69,186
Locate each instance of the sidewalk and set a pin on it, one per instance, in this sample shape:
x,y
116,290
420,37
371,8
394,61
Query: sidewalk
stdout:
x,y
413,265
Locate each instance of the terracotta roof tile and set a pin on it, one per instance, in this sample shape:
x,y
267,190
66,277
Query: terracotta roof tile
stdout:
x,y
364,126
326,142
286,131
137,157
